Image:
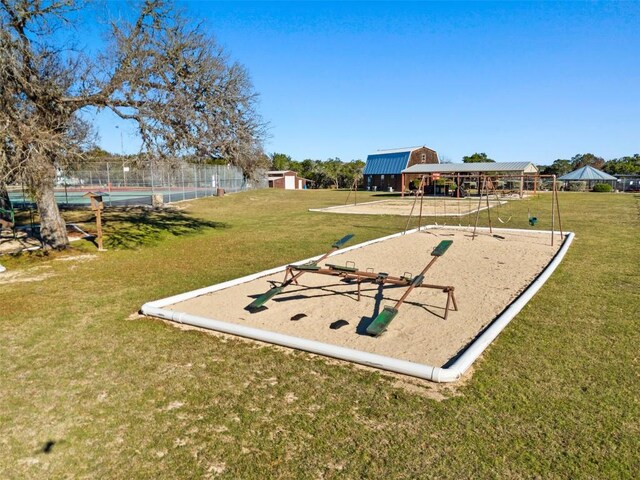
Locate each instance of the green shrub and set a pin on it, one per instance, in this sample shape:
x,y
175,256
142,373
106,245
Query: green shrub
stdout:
x,y
602,187
577,186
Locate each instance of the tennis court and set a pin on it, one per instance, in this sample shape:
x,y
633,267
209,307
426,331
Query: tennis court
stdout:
x,y
120,196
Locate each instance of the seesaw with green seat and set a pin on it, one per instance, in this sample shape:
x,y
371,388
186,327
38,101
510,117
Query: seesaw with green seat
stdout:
x,y
259,302
384,318
350,273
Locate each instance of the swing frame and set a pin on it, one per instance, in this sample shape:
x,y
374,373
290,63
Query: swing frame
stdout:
x,y
483,193
555,202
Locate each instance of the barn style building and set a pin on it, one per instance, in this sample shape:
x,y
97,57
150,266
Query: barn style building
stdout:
x,y
383,170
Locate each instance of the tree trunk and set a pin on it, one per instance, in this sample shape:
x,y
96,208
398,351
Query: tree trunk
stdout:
x,y
53,229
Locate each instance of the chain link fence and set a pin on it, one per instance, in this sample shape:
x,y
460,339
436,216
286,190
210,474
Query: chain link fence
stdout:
x,y
125,183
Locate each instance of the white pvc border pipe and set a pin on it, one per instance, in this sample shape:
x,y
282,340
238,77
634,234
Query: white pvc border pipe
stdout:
x,y
426,372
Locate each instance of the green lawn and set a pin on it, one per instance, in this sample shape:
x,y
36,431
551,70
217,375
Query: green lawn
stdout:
x,y
89,390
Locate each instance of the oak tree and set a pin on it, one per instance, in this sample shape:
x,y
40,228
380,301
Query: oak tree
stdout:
x,y
157,70
477,158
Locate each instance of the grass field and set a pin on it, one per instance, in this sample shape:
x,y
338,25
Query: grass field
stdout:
x,y
90,390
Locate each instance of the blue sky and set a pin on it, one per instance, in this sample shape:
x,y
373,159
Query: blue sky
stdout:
x,y
519,81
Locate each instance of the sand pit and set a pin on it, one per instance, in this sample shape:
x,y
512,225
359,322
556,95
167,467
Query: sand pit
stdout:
x,y
488,274
431,207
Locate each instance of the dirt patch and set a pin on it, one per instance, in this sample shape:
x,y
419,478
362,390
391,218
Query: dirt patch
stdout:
x,y
77,258
35,274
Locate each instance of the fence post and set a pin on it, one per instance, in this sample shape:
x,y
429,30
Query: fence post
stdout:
x,y
109,183
182,177
151,173
195,180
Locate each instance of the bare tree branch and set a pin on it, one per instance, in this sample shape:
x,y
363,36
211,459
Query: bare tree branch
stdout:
x,y
158,71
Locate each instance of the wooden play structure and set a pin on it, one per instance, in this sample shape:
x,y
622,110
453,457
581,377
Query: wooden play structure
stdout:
x,y
350,273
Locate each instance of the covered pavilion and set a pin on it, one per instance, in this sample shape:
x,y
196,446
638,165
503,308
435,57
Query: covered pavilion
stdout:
x,y
466,171
590,175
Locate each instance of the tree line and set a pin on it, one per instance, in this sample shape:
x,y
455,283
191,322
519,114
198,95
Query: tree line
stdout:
x,y
627,165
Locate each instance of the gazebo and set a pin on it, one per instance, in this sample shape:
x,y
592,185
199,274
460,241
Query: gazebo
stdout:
x,y
590,175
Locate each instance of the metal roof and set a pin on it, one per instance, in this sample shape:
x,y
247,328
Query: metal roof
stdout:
x,y
279,172
587,173
398,150
388,163
519,167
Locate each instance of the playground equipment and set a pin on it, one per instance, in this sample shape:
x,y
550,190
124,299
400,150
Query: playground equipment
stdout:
x,y
491,189
487,186
381,322
354,189
259,302
419,193
350,273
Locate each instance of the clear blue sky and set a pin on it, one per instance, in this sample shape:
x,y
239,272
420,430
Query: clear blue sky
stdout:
x,y
519,81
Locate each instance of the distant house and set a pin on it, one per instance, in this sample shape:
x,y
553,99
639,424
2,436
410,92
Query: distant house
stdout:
x,y
287,179
383,170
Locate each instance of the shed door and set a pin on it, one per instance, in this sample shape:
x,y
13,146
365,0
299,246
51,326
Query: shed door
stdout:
x,y
289,182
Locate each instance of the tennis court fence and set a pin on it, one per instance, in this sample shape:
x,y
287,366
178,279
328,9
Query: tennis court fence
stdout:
x,y
121,184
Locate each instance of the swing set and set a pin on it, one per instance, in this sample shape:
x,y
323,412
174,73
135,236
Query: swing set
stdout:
x,y
353,189
490,190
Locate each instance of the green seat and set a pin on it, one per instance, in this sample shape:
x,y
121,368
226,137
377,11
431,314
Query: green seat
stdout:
x,y
306,267
382,321
342,268
442,247
342,241
262,299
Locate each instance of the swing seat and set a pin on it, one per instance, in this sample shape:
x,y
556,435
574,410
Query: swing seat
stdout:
x,y
533,221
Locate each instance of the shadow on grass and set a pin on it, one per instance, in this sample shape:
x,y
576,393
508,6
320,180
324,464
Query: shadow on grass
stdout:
x,y
135,227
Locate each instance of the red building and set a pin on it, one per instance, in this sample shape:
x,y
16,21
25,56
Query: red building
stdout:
x,y
287,179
